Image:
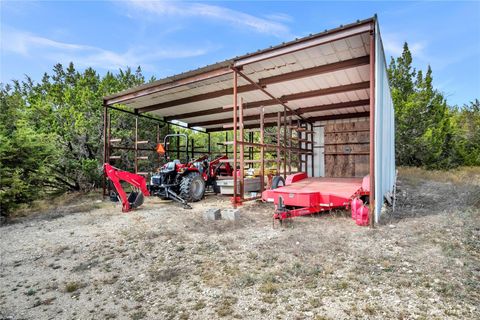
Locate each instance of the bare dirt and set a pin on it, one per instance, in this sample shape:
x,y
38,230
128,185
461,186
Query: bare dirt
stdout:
x,y
164,262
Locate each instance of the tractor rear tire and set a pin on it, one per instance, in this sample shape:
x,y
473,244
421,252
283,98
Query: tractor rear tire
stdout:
x,y
277,181
192,187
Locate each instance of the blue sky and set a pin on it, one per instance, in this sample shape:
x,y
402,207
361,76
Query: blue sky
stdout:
x,y
166,38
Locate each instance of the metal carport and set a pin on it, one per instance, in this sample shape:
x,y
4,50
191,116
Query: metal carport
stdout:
x,y
327,76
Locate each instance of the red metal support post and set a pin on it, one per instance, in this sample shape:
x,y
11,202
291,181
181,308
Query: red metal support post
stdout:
x,y
105,146
226,145
285,143
279,155
312,149
300,145
242,150
235,80
372,127
158,141
290,144
262,151
177,141
209,144
136,144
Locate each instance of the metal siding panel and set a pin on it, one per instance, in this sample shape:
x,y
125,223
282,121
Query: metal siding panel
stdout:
x,y
384,128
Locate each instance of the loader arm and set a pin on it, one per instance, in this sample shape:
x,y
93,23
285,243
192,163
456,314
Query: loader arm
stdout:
x,y
138,182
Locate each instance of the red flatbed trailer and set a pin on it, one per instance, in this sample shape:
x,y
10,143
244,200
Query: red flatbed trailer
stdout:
x,y
302,195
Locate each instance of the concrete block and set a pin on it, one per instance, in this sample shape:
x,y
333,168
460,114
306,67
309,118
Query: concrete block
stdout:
x,y
212,214
231,214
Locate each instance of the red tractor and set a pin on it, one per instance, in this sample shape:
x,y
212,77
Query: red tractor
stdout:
x,y
180,182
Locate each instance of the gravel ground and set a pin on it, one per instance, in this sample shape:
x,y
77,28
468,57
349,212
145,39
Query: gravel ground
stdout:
x,y
164,262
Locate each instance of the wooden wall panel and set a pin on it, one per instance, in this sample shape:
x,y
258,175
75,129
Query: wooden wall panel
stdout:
x,y
347,149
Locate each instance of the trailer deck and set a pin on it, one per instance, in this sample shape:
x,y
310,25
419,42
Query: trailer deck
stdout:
x,y
302,195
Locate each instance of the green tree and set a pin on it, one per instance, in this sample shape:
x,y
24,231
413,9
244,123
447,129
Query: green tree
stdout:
x,y
424,128
25,154
466,121
51,132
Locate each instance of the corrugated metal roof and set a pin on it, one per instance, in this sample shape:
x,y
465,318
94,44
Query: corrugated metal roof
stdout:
x,y
302,73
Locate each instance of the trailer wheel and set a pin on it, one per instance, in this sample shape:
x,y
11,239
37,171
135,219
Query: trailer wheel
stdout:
x,y
192,187
277,181
365,199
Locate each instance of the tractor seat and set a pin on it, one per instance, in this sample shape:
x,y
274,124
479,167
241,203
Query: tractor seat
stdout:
x,y
201,166
170,166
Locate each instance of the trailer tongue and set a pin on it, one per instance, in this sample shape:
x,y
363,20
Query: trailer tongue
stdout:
x,y
302,195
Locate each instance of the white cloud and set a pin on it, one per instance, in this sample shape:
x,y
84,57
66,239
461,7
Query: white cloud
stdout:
x,y
34,46
237,18
393,45
422,54
279,17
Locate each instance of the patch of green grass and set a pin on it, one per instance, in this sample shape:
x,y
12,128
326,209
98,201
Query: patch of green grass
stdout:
x,y
268,299
446,289
30,292
369,309
224,307
252,255
163,275
137,315
72,286
269,287
199,305
342,285
245,280
315,302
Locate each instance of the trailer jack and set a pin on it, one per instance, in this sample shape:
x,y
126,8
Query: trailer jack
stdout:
x,y
281,212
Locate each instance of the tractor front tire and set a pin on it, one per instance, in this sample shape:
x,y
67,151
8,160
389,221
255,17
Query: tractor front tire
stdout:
x,y
192,187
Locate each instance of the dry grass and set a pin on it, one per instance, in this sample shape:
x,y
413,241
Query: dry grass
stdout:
x,y
459,176
161,262
57,206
